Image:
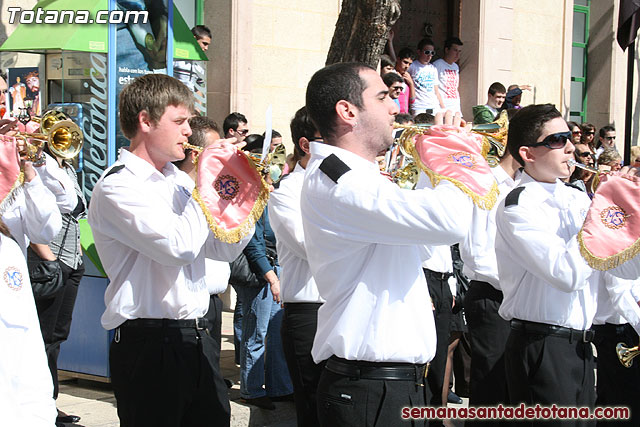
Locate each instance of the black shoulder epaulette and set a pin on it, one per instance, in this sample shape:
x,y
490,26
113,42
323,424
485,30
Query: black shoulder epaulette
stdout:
x,y
334,168
568,184
513,196
113,170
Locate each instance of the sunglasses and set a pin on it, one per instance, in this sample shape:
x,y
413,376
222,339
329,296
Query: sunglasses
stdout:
x,y
583,154
397,88
591,133
553,141
243,131
429,52
610,138
576,132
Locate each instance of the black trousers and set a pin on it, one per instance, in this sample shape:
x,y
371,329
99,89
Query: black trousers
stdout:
x,y
617,385
488,334
55,315
547,369
164,376
299,325
346,401
442,302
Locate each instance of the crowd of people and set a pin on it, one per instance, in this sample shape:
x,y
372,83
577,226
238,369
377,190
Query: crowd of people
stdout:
x,y
353,294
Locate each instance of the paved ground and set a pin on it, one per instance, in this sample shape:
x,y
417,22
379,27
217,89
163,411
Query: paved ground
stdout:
x,y
94,401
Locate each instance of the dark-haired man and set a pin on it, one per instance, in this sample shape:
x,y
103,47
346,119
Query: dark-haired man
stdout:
x,y
235,126
395,83
363,237
153,237
449,74
495,98
298,289
550,293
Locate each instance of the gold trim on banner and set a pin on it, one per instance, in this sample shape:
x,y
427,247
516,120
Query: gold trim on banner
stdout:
x,y
13,194
236,234
613,261
486,202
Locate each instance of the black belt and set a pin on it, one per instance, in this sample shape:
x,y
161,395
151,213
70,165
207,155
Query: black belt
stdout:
x,y
377,371
437,274
199,323
546,329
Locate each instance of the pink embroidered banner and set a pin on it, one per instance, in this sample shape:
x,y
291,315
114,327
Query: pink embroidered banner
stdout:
x,y
230,191
610,235
453,154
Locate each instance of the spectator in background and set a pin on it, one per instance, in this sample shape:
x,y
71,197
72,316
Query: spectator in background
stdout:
x,y
424,119
610,159
425,77
635,155
581,178
404,119
449,74
588,134
276,139
386,65
395,83
235,126
495,98
576,132
191,72
514,96
607,139
408,94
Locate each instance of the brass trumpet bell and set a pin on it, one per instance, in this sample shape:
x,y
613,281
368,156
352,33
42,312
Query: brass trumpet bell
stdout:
x,y
64,140
48,119
626,354
273,164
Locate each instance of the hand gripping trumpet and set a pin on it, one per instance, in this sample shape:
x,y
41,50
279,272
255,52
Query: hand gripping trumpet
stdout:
x,y
63,137
626,354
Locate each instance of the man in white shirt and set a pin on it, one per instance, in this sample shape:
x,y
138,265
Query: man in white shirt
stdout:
x,y
550,293
449,75
363,237
298,290
488,332
153,237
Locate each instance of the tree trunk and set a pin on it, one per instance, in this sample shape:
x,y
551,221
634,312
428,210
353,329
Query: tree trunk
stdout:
x,y
362,30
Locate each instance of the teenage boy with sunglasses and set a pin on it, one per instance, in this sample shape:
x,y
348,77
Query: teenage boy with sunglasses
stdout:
x,y
425,78
550,293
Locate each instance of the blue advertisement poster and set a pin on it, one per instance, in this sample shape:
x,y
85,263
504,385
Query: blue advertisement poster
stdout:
x,y
141,48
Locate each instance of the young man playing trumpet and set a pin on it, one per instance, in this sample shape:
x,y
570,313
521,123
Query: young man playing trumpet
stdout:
x,y
550,292
153,237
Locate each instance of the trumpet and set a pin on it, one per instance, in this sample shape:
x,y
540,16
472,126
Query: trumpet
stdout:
x,y
48,119
64,139
626,354
273,165
597,173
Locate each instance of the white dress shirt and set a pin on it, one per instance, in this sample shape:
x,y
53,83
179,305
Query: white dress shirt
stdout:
x,y
363,236
150,235
618,302
542,273
59,183
26,388
478,248
296,281
33,216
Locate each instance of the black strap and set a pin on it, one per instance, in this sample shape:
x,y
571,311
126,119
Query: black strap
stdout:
x,y
334,168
